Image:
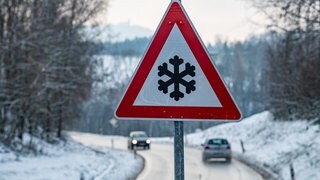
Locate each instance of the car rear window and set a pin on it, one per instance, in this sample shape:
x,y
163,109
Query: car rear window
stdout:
x,y
218,142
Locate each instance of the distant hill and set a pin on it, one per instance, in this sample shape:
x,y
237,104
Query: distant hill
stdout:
x,y
125,31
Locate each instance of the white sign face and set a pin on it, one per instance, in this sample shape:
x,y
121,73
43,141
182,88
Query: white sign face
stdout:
x,y
189,87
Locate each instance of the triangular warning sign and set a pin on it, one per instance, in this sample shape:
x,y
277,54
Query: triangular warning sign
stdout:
x,y
176,78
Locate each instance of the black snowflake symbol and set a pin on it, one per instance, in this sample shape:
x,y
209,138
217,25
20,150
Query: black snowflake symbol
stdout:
x,y
176,78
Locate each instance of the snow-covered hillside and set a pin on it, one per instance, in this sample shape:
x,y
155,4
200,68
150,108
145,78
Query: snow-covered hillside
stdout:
x,y
68,161
116,32
272,144
119,69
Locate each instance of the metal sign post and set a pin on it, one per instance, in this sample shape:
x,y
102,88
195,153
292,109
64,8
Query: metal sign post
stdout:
x,y
178,151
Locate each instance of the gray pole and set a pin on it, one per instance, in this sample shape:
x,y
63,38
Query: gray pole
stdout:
x,y
178,150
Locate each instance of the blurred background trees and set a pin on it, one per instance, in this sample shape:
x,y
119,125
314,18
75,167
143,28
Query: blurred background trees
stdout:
x,y
46,65
293,61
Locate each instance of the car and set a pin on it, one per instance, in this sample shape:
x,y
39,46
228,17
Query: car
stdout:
x,y
216,148
138,139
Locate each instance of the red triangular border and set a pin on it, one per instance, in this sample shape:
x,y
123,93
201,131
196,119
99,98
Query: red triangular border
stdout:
x,y
177,15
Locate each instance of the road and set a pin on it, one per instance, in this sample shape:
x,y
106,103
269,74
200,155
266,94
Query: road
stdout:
x,y
159,166
159,163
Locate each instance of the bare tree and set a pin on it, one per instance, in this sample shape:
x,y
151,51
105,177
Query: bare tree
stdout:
x,y
293,57
46,64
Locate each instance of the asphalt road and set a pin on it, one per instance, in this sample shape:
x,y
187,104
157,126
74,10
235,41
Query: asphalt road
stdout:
x,y
159,163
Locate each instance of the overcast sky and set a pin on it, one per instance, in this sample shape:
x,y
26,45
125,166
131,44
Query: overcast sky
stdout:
x,y
228,19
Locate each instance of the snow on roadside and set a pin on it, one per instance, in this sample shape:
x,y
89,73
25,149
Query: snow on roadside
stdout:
x,y
6,154
274,144
66,160
127,165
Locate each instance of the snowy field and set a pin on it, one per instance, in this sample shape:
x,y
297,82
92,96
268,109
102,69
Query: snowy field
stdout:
x,y
68,160
271,144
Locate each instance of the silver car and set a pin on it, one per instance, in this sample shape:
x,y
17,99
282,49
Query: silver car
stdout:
x,y
138,139
216,148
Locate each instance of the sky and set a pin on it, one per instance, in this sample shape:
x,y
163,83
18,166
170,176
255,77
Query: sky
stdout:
x,y
227,19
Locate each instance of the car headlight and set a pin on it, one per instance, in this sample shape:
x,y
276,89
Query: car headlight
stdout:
x,y
148,141
134,141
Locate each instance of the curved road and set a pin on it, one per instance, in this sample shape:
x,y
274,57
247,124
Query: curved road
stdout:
x,y
159,162
159,166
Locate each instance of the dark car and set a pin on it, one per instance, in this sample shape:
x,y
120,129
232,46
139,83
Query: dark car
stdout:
x,y
138,139
216,148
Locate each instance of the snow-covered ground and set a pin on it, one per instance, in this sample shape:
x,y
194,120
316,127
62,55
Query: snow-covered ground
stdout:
x,y
271,144
68,160
127,166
